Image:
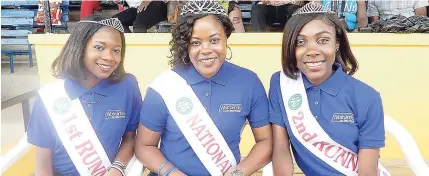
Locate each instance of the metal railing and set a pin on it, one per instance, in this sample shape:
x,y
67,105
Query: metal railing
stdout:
x,y
24,99
22,147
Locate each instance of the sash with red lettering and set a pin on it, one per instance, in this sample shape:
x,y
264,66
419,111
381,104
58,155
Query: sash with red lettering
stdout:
x,y
309,133
75,130
195,123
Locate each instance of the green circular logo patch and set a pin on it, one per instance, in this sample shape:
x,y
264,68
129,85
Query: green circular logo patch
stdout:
x,y
184,105
62,105
295,101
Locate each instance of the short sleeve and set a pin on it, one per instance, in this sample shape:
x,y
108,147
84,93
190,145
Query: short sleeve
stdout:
x,y
371,131
372,9
420,3
258,115
136,107
274,96
154,113
40,131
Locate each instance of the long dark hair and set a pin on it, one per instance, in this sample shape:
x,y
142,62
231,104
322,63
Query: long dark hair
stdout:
x,y
182,34
70,63
344,55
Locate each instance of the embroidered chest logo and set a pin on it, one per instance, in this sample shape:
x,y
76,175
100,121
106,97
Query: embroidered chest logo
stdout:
x,y
343,117
62,105
184,105
114,114
230,108
295,101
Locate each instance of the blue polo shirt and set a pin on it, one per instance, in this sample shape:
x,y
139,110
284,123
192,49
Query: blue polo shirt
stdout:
x,y
97,102
231,86
341,94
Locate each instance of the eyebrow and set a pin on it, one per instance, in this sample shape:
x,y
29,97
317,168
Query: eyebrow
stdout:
x,y
319,33
209,37
104,43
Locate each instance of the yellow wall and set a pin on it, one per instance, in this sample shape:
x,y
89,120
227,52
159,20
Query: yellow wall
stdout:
x,y
23,166
393,64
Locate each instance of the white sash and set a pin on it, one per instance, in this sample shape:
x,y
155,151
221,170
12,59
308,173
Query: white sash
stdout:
x,y
195,123
75,130
309,133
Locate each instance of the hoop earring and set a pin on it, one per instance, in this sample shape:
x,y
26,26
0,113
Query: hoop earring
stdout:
x,y
230,52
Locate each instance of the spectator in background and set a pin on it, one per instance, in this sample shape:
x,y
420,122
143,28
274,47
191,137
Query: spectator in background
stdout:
x,y
350,12
87,7
142,15
266,13
427,10
235,16
231,6
384,10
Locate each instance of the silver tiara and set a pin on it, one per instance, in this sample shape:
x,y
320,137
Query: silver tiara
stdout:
x,y
111,22
202,7
312,7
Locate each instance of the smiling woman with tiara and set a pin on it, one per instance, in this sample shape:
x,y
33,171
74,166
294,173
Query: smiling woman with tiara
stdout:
x,y
199,107
85,122
328,118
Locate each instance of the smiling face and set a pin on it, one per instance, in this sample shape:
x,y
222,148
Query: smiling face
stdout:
x,y
103,53
207,47
315,51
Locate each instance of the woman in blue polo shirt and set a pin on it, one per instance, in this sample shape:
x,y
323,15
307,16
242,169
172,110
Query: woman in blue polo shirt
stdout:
x,y
91,65
225,94
327,117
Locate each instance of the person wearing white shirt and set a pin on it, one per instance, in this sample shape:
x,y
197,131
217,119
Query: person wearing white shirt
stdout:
x,y
384,10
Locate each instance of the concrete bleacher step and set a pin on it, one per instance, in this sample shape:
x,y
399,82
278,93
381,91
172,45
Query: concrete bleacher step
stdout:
x,y
74,15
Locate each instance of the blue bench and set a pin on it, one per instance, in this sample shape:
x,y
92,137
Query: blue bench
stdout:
x,y
22,3
33,6
17,21
16,25
245,13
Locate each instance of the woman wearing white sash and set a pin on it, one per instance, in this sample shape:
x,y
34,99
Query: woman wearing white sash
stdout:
x,y
327,117
89,128
197,109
